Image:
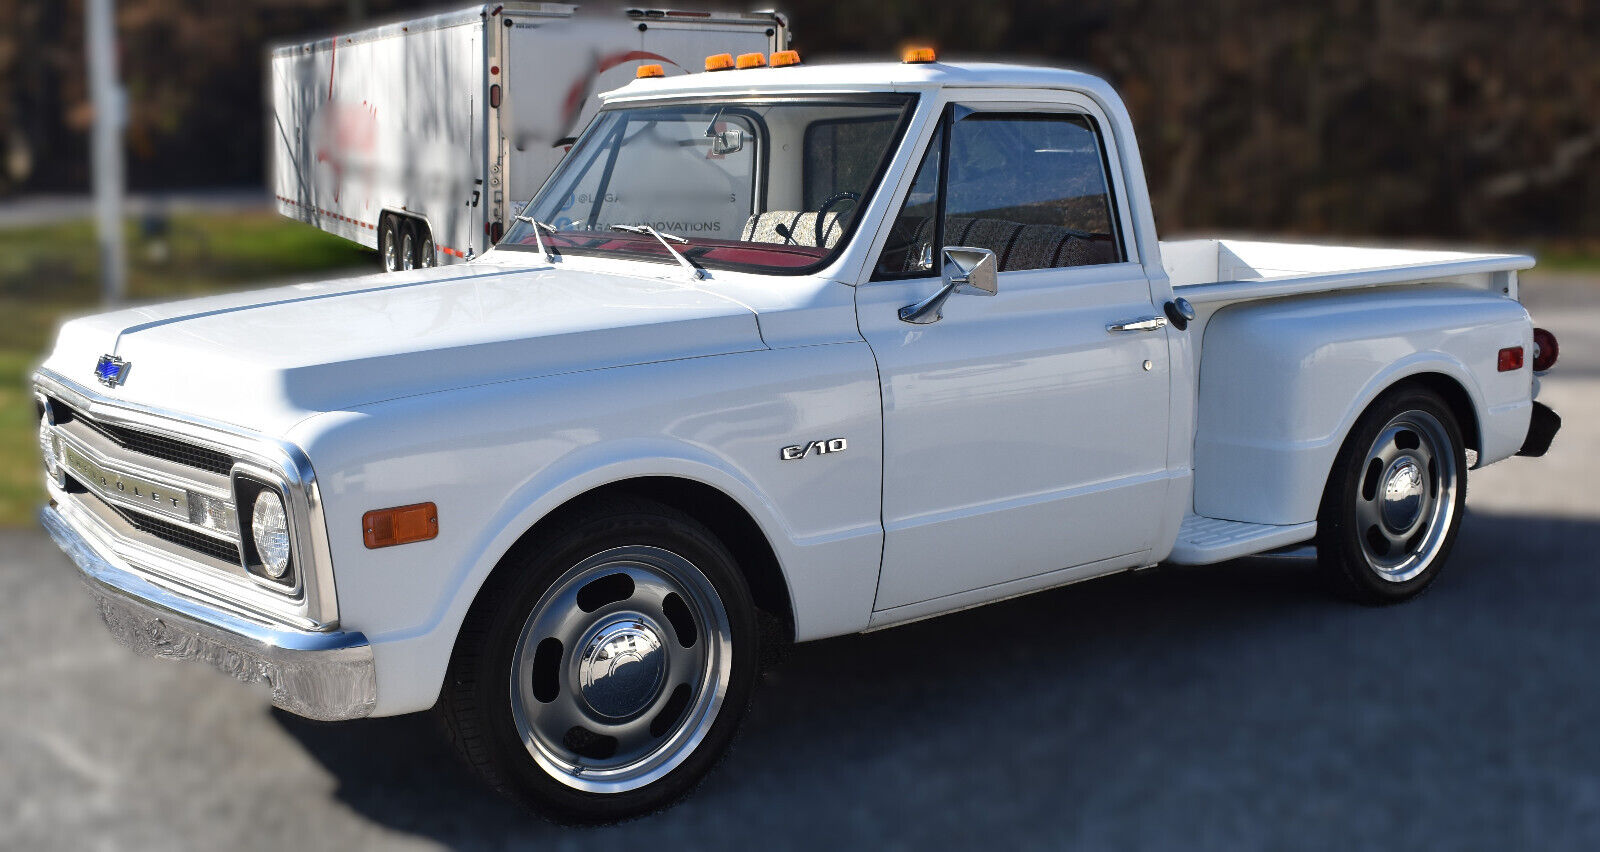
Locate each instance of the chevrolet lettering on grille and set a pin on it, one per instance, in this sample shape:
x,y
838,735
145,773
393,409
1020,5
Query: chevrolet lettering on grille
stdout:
x,y
126,489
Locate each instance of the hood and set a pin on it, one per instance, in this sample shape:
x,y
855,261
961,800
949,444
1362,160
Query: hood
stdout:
x,y
254,359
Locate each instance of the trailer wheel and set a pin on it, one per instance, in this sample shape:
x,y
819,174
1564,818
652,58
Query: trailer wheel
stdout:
x,y
607,665
389,243
425,252
1394,499
408,244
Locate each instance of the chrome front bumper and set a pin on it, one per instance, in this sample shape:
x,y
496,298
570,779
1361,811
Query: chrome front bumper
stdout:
x,y
318,675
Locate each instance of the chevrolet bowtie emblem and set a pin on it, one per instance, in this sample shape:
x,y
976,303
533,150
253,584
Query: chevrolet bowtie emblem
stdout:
x,y
111,370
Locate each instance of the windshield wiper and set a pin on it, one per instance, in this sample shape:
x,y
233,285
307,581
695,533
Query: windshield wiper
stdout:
x,y
537,227
695,272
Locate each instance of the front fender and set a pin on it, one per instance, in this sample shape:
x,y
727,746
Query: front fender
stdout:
x,y
498,458
1282,383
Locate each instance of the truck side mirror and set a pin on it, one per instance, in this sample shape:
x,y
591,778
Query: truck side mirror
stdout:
x,y
969,271
974,271
730,141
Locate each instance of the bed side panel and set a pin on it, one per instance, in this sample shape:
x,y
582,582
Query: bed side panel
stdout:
x,y
1282,382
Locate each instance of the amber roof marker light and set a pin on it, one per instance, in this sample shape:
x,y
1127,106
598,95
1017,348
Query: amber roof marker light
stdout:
x,y
918,55
646,72
784,58
719,62
751,60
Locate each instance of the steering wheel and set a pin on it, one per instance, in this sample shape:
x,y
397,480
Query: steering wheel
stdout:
x,y
827,204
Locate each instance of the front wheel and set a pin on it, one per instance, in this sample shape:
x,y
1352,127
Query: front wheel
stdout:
x,y
607,666
1394,499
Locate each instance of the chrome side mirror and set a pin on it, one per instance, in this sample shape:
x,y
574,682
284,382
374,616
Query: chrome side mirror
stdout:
x,y
730,141
969,271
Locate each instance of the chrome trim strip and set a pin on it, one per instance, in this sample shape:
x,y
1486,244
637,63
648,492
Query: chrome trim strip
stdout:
x,y
223,584
320,600
111,481
319,675
139,464
131,467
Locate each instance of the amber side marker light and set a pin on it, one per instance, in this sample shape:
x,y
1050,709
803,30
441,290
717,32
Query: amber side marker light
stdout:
x,y
719,62
784,58
918,55
647,71
400,525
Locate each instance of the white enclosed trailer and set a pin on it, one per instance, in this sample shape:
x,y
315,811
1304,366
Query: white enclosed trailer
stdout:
x,y
422,138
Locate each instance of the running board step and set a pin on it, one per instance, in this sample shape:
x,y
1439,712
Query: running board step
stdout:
x,y
1202,541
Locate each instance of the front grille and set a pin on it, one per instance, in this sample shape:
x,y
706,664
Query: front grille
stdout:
x,y
175,534
157,446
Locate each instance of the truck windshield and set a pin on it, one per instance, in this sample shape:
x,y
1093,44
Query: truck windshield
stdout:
x,y
773,185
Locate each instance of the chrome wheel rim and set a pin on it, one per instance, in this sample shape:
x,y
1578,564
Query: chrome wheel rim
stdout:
x,y
1406,499
426,256
620,669
390,261
405,252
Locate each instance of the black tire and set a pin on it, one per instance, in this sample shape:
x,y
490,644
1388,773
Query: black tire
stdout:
x,y
480,705
1394,499
408,243
422,253
389,244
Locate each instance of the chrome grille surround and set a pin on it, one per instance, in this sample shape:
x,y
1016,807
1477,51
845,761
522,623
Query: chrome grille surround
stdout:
x,y
158,541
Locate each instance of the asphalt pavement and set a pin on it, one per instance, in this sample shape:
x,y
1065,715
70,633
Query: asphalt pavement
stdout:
x,y
1230,707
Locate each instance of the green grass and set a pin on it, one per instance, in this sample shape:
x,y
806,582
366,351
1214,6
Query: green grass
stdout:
x,y
1567,260
50,272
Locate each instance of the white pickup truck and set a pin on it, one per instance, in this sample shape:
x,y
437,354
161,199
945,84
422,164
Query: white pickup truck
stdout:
x,y
776,354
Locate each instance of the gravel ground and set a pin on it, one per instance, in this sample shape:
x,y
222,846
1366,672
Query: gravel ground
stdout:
x,y
1230,707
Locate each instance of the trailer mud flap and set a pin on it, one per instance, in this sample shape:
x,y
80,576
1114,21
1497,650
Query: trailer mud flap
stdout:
x,y
1541,431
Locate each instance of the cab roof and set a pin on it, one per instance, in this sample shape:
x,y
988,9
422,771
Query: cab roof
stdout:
x,y
864,77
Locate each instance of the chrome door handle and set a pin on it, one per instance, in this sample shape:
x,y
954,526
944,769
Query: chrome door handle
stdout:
x,y
1140,324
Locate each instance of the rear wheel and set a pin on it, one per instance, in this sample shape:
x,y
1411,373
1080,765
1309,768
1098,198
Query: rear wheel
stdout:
x,y
389,243
1394,499
424,246
408,244
607,667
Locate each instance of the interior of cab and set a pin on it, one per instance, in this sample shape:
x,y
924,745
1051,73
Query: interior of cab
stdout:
x,y
1031,187
775,184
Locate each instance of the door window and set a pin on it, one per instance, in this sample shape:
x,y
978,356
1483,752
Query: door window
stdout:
x,y
909,251
1031,187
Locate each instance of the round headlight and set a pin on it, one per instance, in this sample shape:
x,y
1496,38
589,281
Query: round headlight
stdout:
x,y
269,525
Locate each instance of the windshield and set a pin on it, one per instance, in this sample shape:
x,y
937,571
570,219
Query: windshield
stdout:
x,y
768,185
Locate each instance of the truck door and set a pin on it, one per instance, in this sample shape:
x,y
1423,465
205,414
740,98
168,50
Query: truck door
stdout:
x,y
1022,436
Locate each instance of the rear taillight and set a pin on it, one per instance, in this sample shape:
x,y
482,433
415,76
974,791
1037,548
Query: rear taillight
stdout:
x,y
1510,359
1545,350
